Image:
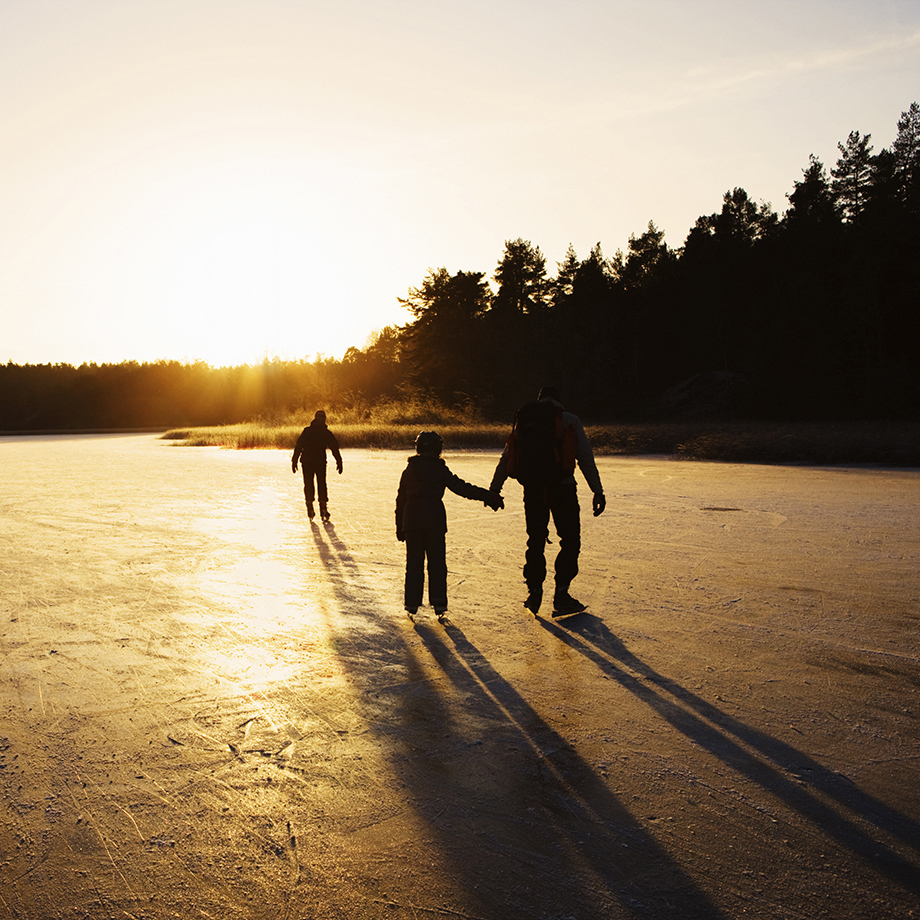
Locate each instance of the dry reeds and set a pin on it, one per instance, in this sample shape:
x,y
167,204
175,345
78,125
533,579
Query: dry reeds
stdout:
x,y
256,435
387,426
395,426
885,443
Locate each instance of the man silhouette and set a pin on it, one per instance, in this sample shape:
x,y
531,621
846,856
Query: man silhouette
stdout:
x,y
310,449
549,489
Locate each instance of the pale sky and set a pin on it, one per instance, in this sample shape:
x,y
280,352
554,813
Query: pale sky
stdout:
x,y
227,180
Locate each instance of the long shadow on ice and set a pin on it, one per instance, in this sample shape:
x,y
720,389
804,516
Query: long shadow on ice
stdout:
x,y
523,822
724,736
574,811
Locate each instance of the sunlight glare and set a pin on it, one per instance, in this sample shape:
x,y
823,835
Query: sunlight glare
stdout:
x,y
273,630
230,260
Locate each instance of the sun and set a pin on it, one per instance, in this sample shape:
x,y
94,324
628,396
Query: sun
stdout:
x,y
231,263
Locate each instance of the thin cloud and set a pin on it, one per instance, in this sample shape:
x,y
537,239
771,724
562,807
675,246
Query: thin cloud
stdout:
x,y
704,84
832,60
820,61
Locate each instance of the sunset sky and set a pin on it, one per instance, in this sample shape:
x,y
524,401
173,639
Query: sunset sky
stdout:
x,y
227,180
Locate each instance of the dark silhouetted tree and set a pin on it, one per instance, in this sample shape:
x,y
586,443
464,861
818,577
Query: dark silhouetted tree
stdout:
x,y
906,152
645,259
583,329
645,314
444,343
516,323
562,285
521,279
812,204
853,175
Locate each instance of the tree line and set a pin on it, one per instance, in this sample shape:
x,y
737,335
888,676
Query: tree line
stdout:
x,y
805,315
168,394
809,314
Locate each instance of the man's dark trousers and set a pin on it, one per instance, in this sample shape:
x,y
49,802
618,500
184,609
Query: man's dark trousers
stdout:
x,y
561,501
320,473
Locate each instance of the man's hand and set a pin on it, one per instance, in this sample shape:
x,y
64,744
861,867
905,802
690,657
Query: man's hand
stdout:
x,y
294,467
338,468
494,501
599,503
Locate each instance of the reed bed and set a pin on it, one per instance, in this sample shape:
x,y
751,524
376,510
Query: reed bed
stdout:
x,y
253,435
882,443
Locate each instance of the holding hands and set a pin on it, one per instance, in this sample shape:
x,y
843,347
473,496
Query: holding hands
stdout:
x,y
494,501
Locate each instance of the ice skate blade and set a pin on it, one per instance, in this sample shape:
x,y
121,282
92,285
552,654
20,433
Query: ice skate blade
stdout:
x,y
567,614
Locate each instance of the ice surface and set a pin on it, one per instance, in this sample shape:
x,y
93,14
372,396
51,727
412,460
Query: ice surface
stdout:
x,y
211,708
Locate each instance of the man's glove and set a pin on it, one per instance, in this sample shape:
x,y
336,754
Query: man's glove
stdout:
x,y
599,503
494,501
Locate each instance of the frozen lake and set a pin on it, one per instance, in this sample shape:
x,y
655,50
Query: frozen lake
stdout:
x,y
211,708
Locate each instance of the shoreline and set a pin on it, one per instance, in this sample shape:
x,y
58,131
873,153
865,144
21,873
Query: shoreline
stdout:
x,y
889,444
876,443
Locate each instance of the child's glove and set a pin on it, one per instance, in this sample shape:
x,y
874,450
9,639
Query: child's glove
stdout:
x,y
494,501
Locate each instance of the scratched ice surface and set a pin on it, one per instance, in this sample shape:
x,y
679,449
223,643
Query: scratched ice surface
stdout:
x,y
211,708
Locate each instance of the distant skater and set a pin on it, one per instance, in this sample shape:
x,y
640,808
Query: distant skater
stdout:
x,y
541,452
421,520
310,449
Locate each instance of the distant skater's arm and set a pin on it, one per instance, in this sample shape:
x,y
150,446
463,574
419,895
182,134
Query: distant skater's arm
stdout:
x,y
333,444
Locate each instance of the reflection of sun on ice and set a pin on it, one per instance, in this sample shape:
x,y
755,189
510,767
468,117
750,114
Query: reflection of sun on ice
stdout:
x,y
275,614
270,638
255,664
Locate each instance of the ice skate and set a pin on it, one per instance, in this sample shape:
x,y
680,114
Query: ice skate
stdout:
x,y
564,605
534,599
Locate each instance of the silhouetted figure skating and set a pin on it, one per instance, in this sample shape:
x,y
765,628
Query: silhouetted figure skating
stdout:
x,y
421,520
310,449
545,444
